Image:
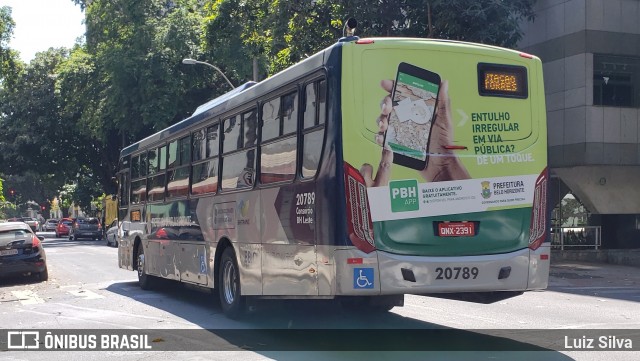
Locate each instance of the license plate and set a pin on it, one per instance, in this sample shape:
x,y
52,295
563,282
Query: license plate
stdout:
x,y
8,252
456,229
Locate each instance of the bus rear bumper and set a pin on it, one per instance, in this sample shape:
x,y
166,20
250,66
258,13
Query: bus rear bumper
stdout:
x,y
502,272
387,273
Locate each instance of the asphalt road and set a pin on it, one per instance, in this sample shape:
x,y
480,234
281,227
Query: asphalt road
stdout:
x,y
87,290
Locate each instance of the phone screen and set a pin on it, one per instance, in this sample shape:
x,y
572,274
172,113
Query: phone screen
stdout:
x,y
414,102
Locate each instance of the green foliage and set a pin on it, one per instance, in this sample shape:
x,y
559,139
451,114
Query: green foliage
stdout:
x,y
87,189
6,31
65,116
66,196
34,135
281,33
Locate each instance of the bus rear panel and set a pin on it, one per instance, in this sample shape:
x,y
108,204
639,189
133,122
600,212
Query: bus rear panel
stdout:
x,y
445,168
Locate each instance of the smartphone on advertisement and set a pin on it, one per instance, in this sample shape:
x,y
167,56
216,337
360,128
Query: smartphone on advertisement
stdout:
x,y
414,100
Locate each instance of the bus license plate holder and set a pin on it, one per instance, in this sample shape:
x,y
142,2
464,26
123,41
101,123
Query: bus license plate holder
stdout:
x,y
456,229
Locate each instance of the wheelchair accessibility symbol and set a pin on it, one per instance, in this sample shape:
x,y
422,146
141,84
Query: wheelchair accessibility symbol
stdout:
x,y
203,264
363,278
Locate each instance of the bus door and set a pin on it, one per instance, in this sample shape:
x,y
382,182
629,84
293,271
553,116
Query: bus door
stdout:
x,y
289,264
125,254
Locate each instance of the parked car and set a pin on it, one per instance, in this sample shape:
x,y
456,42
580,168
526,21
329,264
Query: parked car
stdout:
x,y
64,226
32,222
50,225
86,228
112,233
21,251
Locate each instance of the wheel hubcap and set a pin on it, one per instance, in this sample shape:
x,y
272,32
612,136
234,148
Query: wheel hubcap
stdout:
x,y
229,282
140,265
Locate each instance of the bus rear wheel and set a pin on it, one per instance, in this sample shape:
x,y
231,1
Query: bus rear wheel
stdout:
x,y
232,303
145,281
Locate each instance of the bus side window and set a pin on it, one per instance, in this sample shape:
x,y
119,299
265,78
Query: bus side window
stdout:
x,y
270,119
278,151
162,158
152,158
313,133
238,170
204,171
205,177
156,188
289,113
178,168
135,167
123,182
232,135
173,154
278,160
250,128
198,141
310,114
143,164
213,142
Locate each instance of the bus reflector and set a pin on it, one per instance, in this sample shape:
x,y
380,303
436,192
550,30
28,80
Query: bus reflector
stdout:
x,y
161,234
538,228
544,257
359,222
354,261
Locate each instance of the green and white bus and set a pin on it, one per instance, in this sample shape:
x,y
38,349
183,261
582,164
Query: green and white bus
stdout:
x,y
375,168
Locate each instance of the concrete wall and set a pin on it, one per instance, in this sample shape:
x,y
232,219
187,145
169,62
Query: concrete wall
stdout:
x,y
587,142
627,257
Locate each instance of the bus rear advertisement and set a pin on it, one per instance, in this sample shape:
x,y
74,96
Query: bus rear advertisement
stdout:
x,y
376,168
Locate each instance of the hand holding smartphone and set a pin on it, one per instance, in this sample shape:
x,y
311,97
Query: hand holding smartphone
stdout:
x,y
414,100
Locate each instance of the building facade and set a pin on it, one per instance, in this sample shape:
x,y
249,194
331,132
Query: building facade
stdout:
x,y
591,55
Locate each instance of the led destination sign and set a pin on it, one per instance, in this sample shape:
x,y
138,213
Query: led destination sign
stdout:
x,y
502,80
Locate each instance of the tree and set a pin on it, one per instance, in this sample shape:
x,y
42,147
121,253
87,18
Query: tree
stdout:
x,y
69,112
9,61
290,31
35,137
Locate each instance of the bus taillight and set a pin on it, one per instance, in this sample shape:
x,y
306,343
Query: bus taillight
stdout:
x,y
358,215
538,228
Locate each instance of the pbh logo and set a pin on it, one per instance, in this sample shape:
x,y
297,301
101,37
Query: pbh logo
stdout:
x,y
404,195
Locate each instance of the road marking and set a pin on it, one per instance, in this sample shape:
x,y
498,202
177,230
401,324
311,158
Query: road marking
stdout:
x,y
27,297
86,294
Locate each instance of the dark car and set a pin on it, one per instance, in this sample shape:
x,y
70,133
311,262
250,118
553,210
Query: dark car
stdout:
x,y
64,227
50,225
86,228
21,251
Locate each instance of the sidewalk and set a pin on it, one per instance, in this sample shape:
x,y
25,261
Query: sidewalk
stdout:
x,y
590,274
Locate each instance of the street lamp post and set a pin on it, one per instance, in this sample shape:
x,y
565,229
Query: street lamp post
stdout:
x,y
193,61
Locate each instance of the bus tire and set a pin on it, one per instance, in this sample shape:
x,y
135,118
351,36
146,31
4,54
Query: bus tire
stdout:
x,y
145,281
231,301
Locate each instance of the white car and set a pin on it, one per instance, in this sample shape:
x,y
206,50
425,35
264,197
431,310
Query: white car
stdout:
x,y
113,232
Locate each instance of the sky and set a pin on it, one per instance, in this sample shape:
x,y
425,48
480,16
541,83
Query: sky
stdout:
x,y
42,24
